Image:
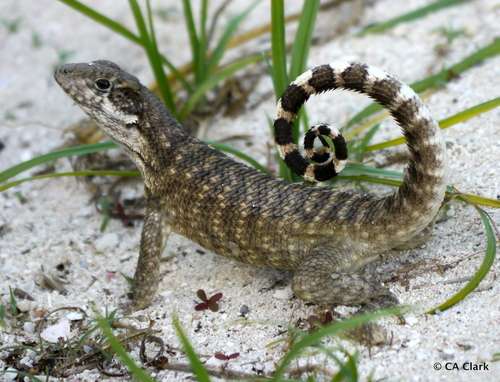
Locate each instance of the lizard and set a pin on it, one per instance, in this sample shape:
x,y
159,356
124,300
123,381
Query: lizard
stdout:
x,y
325,236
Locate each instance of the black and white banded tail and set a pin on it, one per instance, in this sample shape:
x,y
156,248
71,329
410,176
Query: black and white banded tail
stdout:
x,y
424,184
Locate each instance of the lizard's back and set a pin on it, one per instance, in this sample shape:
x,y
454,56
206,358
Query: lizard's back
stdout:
x,y
242,213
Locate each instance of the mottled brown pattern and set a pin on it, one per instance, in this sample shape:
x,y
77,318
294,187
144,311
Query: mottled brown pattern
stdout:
x,y
385,91
324,236
323,78
354,76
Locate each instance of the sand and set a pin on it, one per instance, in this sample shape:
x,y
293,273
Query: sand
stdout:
x,y
46,223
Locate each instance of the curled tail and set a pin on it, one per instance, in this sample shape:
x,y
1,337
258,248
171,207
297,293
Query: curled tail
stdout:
x,y
424,184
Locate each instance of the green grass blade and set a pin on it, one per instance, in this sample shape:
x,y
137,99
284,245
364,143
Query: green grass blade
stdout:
x,y
202,40
12,302
68,152
353,171
361,172
228,33
203,25
214,79
198,368
138,373
239,154
278,66
103,20
371,179
300,52
362,147
460,117
438,79
348,370
483,270
410,16
356,169
156,65
121,173
198,62
470,113
154,57
330,330
478,200
87,149
278,47
303,36
124,32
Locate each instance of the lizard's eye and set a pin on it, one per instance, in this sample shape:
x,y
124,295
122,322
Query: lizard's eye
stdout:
x,y
103,84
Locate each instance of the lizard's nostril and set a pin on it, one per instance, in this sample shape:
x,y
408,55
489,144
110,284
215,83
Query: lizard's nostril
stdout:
x,y
63,69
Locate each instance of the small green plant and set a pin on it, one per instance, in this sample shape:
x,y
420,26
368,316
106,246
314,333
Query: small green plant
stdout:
x,y
450,33
12,25
137,372
410,16
206,62
36,40
3,324
12,303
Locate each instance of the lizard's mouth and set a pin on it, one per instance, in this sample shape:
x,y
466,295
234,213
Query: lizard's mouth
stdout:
x,y
62,73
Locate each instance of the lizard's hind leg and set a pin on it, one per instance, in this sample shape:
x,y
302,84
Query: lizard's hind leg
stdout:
x,y
321,280
418,240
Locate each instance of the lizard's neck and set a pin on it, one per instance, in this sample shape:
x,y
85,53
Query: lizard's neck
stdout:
x,y
162,136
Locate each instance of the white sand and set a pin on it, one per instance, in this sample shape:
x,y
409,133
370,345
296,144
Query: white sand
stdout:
x,y
58,222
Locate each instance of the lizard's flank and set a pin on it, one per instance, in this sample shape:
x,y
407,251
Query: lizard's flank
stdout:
x,y
325,236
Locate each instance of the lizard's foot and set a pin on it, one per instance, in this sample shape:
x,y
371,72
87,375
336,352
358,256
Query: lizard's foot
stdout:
x,y
418,240
141,300
319,280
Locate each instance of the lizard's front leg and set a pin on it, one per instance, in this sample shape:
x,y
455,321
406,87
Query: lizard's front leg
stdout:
x,y
153,239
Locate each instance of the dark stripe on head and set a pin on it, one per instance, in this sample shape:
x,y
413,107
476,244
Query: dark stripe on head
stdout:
x,y
282,131
385,91
322,79
293,98
324,172
296,162
340,147
354,76
406,112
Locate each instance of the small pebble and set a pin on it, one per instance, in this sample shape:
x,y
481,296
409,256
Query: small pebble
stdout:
x,y
244,310
23,305
106,242
74,316
61,329
282,294
29,327
411,320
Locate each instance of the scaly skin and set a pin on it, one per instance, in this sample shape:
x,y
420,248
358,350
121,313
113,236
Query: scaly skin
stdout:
x,y
323,235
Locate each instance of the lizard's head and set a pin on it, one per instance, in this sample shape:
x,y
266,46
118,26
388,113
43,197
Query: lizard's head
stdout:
x,y
112,97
